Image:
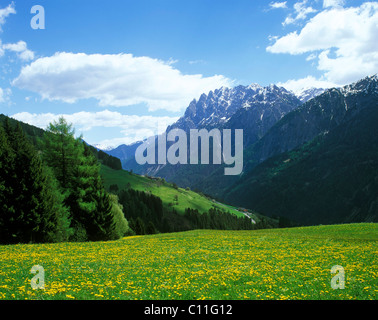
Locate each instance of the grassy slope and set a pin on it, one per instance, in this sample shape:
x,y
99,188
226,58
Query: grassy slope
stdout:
x,y
186,198
201,264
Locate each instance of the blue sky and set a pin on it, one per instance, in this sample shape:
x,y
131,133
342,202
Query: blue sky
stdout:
x,y
123,70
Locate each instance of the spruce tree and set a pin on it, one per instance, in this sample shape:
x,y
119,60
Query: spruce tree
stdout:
x,y
7,180
78,173
63,230
150,228
140,228
90,202
62,151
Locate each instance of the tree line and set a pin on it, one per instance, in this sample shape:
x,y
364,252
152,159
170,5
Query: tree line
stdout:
x,y
147,215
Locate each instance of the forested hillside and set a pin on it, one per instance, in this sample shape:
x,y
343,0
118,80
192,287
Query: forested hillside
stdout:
x,y
51,188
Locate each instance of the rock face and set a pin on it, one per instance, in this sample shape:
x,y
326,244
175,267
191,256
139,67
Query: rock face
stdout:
x,y
254,108
251,108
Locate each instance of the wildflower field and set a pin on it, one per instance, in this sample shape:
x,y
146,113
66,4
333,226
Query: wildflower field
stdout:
x,y
202,264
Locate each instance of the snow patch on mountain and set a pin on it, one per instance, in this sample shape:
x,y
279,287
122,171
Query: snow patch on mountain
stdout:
x,y
307,94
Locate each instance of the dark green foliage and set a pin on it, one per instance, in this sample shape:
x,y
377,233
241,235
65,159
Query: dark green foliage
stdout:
x,y
332,179
217,219
150,228
105,159
32,133
113,188
146,215
78,173
103,218
109,161
61,151
63,230
62,201
139,226
8,180
31,210
89,203
284,222
140,204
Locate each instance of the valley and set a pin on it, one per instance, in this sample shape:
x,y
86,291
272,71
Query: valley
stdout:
x,y
338,122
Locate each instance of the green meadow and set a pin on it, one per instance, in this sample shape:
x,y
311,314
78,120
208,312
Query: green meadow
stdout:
x,y
268,264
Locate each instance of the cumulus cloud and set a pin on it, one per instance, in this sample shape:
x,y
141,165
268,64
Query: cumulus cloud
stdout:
x,y
21,49
115,80
132,127
343,40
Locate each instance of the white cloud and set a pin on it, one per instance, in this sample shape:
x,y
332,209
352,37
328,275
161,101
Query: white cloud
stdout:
x,y
278,5
306,83
115,80
1,95
5,94
5,12
312,56
133,128
301,12
21,49
333,3
345,41
197,62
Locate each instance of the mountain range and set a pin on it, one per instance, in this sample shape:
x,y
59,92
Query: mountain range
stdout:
x,y
319,164
283,132
252,108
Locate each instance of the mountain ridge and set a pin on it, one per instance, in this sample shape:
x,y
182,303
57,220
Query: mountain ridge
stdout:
x,y
252,108
313,118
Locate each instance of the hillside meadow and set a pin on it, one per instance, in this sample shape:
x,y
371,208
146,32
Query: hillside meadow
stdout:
x,y
164,190
201,264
